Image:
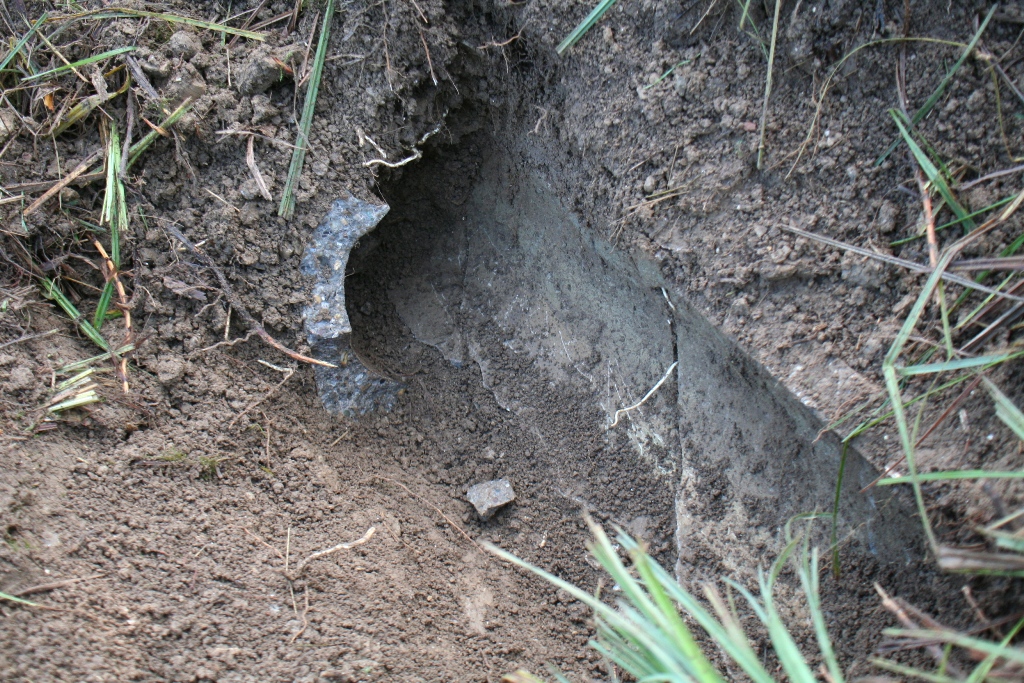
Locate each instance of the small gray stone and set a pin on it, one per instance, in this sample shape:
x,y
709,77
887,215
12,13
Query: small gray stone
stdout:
x,y
489,496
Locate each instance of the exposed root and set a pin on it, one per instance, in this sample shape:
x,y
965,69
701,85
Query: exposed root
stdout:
x,y
301,566
622,411
236,303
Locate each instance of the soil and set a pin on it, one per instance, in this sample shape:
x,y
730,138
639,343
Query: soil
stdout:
x,y
161,526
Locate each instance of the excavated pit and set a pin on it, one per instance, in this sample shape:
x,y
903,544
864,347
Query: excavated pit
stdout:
x,y
480,273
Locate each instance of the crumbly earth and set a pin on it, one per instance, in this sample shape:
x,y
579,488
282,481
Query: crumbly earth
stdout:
x,y
163,528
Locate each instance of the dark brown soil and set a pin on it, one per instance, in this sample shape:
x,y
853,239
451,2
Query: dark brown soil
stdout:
x,y
166,518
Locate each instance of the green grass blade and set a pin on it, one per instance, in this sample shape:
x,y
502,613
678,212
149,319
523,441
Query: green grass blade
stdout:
x,y
969,318
77,379
614,618
126,13
754,603
670,620
735,641
735,646
952,475
931,101
933,174
21,43
119,218
136,150
287,207
50,291
788,652
1006,410
834,531
585,25
810,580
103,305
958,364
79,364
107,209
559,676
647,612
892,385
911,672
1005,540
981,671
972,214
85,398
81,62
20,601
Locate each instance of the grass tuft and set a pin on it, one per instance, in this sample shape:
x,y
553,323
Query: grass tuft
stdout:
x,y
651,630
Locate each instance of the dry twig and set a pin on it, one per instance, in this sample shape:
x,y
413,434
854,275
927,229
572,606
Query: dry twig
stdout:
x,y
64,182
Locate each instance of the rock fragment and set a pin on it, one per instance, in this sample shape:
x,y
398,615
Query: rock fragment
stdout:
x,y
490,496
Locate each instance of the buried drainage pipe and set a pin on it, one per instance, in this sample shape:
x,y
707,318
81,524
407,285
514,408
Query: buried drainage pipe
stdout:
x,y
489,268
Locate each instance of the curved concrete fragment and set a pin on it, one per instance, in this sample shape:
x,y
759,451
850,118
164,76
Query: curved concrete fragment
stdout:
x,y
351,388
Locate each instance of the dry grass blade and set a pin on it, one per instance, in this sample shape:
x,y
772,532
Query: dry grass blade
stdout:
x,y
82,109
128,13
140,77
287,207
993,263
64,182
903,263
768,85
250,160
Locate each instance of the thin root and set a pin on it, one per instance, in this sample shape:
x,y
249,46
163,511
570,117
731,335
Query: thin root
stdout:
x,y
301,566
622,411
